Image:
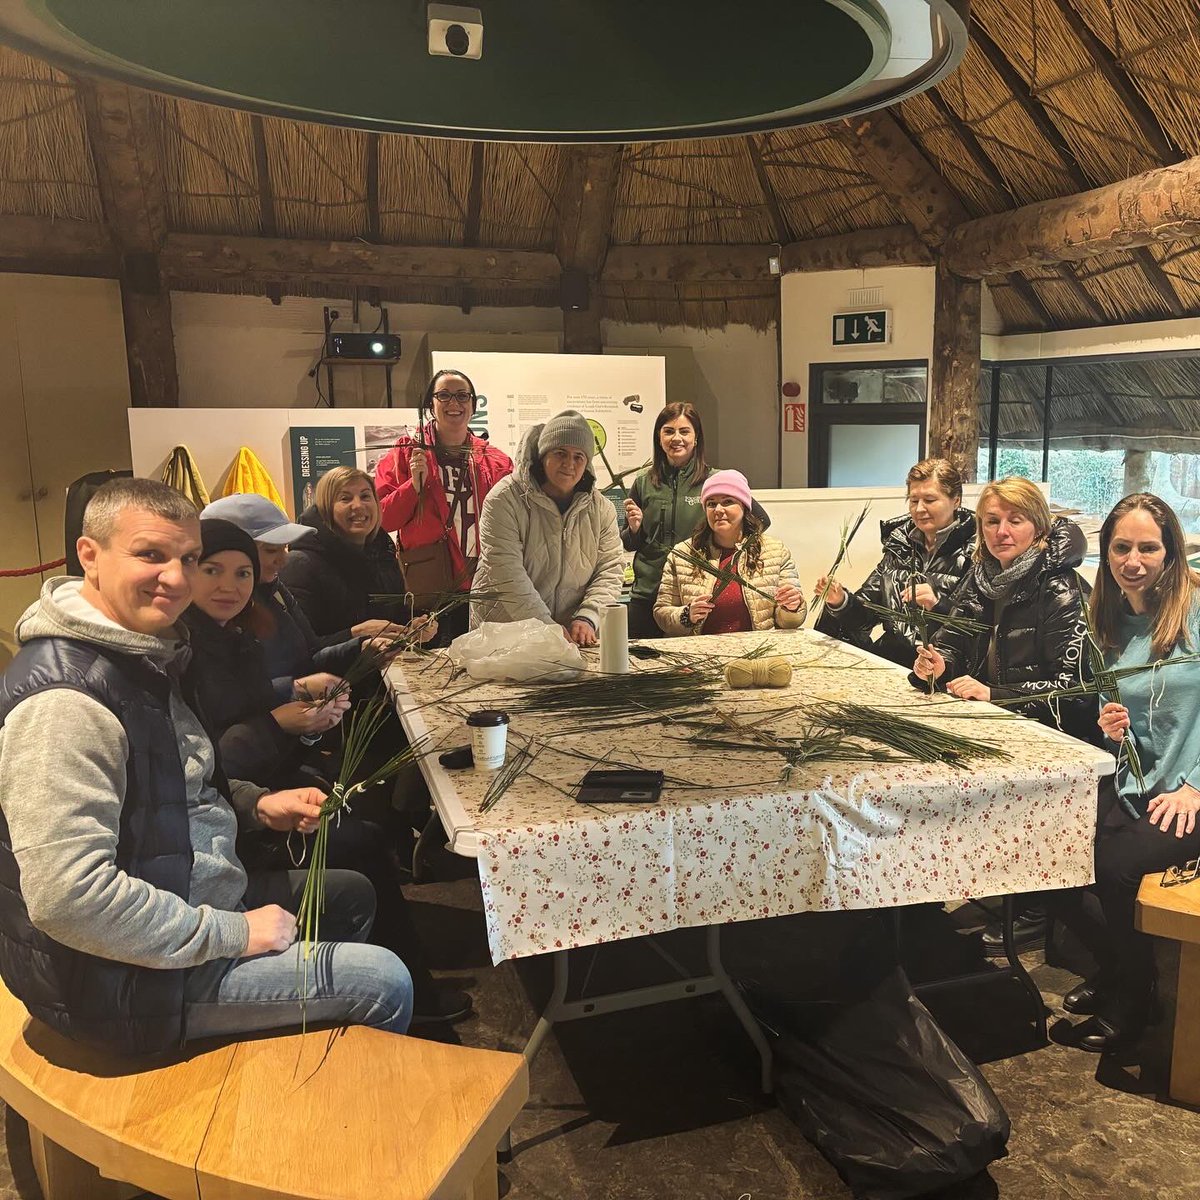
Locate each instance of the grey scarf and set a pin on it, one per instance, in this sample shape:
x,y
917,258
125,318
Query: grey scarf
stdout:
x,y
996,582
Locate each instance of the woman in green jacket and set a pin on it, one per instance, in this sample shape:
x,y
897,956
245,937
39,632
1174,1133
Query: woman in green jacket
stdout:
x,y
663,507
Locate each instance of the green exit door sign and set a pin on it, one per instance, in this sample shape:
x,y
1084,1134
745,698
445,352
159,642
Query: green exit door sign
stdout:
x,y
862,328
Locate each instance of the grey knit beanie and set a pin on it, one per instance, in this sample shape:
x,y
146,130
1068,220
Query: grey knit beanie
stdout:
x,y
568,428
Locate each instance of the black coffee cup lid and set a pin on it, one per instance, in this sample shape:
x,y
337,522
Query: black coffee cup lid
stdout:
x,y
488,716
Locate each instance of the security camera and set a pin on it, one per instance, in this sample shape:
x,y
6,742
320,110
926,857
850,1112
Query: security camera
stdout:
x,y
455,31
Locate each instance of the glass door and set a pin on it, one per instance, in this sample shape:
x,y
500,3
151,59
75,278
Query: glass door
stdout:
x,y
868,423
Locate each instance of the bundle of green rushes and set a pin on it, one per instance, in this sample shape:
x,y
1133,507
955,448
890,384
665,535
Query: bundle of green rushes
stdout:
x,y
844,732
619,701
360,730
723,575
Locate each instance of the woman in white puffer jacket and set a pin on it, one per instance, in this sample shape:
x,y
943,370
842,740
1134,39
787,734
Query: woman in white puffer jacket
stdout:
x,y
548,538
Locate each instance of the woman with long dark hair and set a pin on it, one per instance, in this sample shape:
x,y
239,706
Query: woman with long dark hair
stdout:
x,y
1146,609
432,487
692,600
663,507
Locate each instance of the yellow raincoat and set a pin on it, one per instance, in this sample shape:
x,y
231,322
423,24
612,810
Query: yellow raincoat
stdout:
x,y
249,475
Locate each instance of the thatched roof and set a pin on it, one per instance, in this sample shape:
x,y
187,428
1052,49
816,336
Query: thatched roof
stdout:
x,y
1094,404
1032,113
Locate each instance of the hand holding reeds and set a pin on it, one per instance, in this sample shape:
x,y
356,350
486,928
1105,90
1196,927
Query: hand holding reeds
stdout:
x,y
930,664
724,575
849,529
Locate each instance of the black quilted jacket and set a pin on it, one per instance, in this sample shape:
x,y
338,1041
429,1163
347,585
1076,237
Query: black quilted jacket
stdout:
x,y
904,556
1037,636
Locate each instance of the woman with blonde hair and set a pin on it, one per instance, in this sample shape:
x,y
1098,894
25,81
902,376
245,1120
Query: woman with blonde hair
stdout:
x,y
926,557
1146,609
1025,590
334,574
729,535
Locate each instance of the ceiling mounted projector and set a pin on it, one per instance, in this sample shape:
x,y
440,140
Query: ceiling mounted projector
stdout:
x,y
554,71
364,347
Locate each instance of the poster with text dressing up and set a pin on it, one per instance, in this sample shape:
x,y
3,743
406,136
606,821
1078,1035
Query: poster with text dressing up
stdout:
x,y
620,395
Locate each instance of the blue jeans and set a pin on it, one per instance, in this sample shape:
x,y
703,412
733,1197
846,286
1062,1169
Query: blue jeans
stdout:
x,y
348,982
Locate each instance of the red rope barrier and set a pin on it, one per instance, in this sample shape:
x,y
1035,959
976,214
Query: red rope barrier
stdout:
x,y
38,570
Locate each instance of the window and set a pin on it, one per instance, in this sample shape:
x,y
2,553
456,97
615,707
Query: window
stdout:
x,y
1096,430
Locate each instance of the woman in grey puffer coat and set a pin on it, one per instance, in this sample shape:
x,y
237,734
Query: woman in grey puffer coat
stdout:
x,y
549,541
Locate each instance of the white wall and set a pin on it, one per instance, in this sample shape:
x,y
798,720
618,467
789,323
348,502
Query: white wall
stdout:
x,y
245,352
808,302
1144,338
731,375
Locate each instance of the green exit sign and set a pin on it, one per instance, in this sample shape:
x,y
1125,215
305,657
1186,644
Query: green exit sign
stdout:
x,y
862,328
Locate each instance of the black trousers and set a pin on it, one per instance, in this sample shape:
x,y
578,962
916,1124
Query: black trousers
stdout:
x,y
1126,849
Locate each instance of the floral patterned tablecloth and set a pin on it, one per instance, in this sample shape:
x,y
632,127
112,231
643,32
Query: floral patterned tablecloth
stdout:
x,y
729,841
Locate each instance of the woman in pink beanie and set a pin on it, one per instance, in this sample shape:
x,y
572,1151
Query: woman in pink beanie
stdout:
x,y
693,601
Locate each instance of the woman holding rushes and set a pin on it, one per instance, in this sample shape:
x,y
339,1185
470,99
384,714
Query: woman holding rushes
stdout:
x,y
1024,588
1146,609
551,549
664,503
260,741
431,489
334,574
926,558
730,538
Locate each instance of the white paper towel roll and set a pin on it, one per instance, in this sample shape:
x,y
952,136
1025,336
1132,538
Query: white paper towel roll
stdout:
x,y
614,640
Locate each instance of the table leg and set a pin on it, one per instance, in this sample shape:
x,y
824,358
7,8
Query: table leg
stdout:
x,y
734,999
1017,968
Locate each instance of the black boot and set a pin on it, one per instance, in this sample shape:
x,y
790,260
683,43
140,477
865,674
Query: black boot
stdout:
x,y
1084,998
1029,933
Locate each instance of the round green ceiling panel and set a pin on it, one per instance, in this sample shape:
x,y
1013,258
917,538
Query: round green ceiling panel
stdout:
x,y
546,70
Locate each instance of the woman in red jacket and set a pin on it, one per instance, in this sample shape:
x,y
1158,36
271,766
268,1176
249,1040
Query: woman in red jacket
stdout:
x,y
431,489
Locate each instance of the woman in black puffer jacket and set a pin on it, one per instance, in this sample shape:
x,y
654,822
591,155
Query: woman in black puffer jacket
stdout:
x,y
926,556
334,574
1025,588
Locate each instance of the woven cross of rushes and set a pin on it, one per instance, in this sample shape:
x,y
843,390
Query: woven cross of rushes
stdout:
x,y
724,575
359,733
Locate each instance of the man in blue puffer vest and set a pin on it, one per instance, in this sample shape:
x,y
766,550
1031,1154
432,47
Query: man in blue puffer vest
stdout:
x,y
126,919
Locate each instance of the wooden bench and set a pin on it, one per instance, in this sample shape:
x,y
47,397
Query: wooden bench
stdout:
x,y
1174,913
342,1114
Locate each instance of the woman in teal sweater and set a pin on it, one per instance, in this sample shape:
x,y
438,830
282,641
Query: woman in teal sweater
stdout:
x,y
1147,610
663,508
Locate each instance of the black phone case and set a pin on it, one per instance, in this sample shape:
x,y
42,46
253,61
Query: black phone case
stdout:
x,y
620,787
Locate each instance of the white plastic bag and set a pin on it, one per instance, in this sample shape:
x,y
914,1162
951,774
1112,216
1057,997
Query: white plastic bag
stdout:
x,y
517,650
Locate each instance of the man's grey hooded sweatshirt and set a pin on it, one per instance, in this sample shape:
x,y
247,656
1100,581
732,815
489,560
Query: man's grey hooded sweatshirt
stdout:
x,y
62,784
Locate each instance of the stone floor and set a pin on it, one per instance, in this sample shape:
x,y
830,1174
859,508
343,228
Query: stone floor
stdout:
x,y
664,1102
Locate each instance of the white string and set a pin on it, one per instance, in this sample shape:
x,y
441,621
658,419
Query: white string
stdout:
x,y
297,862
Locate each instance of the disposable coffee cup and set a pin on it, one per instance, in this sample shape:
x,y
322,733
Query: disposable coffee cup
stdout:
x,y
489,736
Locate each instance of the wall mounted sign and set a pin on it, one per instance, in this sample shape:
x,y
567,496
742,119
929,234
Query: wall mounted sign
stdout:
x,y
862,328
795,417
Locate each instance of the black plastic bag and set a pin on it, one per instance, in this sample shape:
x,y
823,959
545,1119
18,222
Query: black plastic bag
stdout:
x,y
881,1091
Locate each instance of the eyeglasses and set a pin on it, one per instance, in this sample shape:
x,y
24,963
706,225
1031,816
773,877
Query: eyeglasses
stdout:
x,y
446,397
1174,876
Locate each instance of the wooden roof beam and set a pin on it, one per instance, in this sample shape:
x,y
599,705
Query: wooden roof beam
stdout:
x,y
585,203
1134,103
208,258
120,127
882,146
1018,85
1162,205
45,246
991,173
779,221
